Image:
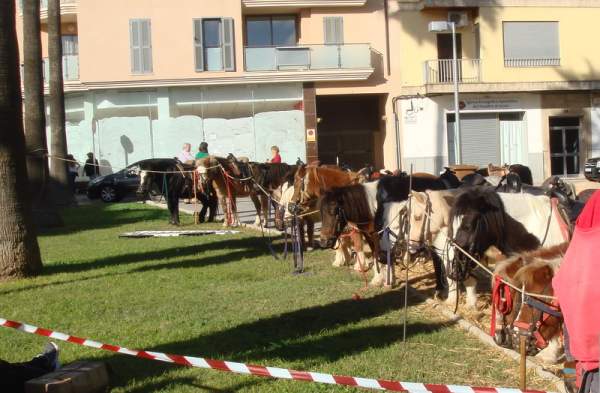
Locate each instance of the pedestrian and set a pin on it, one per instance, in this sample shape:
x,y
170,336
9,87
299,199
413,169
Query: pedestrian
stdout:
x,y
202,151
185,156
73,166
275,157
577,287
13,376
91,167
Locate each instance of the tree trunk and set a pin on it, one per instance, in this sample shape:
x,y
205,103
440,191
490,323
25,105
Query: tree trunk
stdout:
x,y
45,214
19,251
58,138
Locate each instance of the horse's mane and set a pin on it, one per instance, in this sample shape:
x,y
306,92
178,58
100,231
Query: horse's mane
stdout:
x,y
507,270
273,174
353,200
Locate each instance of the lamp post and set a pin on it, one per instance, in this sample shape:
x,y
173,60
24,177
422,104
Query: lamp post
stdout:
x,y
441,27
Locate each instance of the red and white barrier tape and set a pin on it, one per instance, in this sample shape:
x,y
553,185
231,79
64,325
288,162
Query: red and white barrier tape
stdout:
x,y
261,371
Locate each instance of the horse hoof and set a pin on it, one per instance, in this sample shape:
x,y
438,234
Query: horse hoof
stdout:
x,y
309,249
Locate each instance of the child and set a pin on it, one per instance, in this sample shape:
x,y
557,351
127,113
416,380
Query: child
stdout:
x,y
275,157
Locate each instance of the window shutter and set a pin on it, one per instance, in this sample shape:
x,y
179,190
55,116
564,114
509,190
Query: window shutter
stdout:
x,y
228,44
333,30
146,45
198,47
531,43
134,38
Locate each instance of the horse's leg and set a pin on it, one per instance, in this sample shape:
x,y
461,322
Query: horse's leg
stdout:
x,y
361,264
342,252
552,352
440,275
258,206
174,208
310,232
471,292
225,207
452,292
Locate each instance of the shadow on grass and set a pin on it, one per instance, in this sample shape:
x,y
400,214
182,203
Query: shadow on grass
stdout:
x,y
244,248
292,337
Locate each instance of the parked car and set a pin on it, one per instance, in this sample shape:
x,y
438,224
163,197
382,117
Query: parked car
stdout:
x,y
116,186
592,169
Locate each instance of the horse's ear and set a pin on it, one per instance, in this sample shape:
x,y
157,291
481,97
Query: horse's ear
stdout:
x,y
419,197
449,199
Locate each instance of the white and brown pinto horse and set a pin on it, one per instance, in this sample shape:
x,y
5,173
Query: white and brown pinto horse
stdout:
x,y
229,184
536,317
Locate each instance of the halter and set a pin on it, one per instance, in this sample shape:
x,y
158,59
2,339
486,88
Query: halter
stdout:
x,y
545,310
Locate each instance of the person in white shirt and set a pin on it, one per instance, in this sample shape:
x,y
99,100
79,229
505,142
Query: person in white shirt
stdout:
x,y
186,154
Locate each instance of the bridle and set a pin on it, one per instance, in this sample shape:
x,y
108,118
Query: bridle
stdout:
x,y
541,312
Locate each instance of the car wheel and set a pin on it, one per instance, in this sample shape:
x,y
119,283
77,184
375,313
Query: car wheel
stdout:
x,y
108,194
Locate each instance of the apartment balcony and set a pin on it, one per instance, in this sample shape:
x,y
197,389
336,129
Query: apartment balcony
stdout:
x,y
68,10
440,71
263,5
312,62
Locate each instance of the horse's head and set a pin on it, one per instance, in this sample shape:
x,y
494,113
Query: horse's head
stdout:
x,y
537,318
428,216
299,189
333,218
146,179
450,179
477,222
504,298
287,190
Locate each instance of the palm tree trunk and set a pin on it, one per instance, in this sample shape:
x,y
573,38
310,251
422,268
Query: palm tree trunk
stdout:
x,y
45,214
19,251
58,137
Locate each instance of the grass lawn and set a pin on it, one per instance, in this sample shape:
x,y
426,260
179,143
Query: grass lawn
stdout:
x,y
225,297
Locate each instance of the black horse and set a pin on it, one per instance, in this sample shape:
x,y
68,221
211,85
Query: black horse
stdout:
x,y
176,180
397,188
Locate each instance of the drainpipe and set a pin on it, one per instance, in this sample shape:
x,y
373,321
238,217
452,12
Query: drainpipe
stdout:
x,y
387,36
397,127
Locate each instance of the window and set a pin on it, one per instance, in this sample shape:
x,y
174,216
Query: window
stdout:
x,y
141,46
264,31
213,44
70,48
531,44
333,30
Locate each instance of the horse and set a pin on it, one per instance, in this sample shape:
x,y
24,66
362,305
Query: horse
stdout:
x,y
397,188
269,179
283,215
535,317
352,206
176,181
229,183
481,218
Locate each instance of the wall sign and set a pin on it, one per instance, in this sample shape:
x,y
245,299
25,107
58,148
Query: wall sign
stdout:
x,y
311,135
489,104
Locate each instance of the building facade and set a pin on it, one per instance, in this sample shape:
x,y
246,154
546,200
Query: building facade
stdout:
x,y
341,81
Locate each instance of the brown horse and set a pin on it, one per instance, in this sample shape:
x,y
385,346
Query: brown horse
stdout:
x,y
536,317
229,183
310,183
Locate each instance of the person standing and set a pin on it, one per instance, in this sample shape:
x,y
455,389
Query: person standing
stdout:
x,y
73,171
91,167
185,156
275,157
202,151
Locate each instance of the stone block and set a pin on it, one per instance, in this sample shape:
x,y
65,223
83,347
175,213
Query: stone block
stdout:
x,y
78,377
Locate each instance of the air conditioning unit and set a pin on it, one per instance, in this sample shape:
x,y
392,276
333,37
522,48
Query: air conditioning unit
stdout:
x,y
460,18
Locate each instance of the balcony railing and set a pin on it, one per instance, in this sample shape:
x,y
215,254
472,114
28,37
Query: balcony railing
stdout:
x,y
68,8
44,3
308,57
531,62
439,71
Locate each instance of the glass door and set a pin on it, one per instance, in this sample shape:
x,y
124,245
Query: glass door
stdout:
x,y
564,145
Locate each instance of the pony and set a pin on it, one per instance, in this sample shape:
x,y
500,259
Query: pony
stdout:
x,y
397,188
481,218
352,206
229,182
283,215
176,181
269,179
536,317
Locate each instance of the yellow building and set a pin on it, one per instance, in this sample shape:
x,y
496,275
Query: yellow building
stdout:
x,y
348,81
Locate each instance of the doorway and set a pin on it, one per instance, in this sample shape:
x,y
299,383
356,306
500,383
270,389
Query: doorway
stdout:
x,y
445,56
564,145
346,129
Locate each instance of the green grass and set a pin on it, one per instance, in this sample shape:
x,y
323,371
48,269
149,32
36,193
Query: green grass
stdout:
x,y
225,297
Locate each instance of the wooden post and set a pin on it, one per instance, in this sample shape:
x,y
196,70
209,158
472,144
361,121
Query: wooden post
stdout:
x,y
523,362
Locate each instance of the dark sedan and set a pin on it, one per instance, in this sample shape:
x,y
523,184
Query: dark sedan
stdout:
x,y
118,185
592,169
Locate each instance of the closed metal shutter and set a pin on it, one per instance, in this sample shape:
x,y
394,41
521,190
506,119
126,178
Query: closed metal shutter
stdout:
x,y
480,139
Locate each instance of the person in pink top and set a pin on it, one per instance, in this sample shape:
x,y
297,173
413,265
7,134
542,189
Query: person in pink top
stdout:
x,y
275,157
185,155
577,286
